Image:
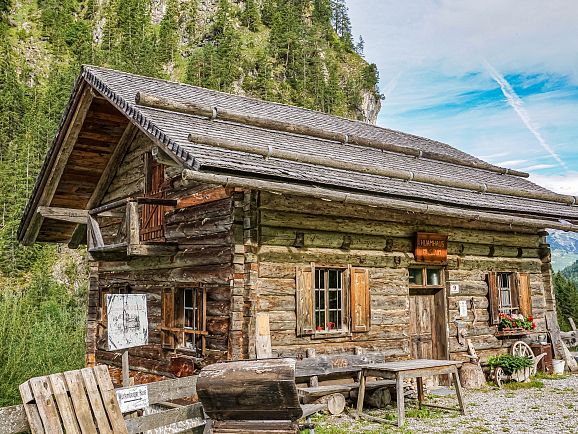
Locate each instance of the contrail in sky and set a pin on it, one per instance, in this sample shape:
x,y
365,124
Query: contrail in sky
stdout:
x,y
518,105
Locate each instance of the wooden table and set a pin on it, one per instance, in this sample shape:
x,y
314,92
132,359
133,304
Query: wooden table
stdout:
x,y
417,369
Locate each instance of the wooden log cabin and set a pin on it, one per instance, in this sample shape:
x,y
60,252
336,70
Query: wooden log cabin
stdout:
x,y
345,235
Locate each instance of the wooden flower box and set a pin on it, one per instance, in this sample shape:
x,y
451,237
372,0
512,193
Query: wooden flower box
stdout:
x,y
518,331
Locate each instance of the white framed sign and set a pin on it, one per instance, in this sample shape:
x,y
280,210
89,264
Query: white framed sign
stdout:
x,y
463,305
133,398
127,320
454,288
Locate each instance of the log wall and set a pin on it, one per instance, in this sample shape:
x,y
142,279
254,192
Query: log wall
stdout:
x,y
297,231
202,227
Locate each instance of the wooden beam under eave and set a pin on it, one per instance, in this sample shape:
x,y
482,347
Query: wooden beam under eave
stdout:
x,y
64,214
57,167
78,237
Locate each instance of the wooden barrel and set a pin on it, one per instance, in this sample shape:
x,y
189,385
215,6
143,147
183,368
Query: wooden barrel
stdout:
x,y
250,390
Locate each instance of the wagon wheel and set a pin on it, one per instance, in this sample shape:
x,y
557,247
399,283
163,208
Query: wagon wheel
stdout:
x,y
499,376
522,349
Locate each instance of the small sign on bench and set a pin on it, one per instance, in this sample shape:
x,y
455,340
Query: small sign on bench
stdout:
x,y
133,398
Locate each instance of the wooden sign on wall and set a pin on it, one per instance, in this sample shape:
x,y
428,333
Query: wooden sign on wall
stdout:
x,y
431,247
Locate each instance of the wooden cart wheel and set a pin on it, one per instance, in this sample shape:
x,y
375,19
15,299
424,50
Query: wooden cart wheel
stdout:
x,y
522,349
499,376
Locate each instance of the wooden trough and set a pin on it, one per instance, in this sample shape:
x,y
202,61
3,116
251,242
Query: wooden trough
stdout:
x,y
251,396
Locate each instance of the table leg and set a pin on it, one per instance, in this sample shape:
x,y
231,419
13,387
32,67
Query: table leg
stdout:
x,y
400,399
458,386
420,397
361,394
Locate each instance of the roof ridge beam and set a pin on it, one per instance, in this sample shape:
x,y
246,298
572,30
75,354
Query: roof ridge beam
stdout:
x,y
405,175
191,108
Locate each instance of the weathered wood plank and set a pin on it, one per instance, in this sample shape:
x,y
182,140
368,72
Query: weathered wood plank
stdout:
x,y
31,409
60,391
80,402
158,420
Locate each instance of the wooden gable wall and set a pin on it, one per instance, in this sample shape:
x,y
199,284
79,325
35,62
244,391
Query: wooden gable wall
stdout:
x,y
202,227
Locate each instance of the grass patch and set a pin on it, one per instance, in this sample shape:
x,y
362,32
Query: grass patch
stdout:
x,y
532,384
545,376
42,329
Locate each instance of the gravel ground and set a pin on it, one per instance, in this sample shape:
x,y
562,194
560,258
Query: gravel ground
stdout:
x,y
550,409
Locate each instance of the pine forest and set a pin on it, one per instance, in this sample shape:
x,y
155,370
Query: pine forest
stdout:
x,y
298,52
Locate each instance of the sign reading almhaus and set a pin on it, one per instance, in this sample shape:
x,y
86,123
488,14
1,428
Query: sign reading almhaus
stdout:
x,y
431,247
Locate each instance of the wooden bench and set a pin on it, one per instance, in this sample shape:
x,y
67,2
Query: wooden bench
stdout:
x,y
311,394
315,369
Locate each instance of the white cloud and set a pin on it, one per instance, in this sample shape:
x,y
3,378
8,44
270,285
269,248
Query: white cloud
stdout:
x,y
563,184
513,35
430,54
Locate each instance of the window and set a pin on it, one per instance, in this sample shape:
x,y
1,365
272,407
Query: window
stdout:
x,y
504,287
183,319
332,300
508,293
328,303
425,277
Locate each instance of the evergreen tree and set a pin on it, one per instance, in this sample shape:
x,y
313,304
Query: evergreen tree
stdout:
x,y
566,292
168,33
251,17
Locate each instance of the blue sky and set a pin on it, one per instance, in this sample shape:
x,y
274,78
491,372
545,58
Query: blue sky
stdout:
x,y
495,78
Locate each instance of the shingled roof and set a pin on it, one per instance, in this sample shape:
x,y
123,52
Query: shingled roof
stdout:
x,y
195,140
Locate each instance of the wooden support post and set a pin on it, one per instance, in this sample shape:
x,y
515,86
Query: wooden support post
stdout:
x,y
420,394
132,226
458,386
400,399
125,370
361,394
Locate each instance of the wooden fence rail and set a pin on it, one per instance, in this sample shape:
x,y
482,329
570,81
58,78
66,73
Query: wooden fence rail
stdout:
x,y
13,419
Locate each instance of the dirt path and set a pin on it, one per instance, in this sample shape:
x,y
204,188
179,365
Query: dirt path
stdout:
x,y
550,409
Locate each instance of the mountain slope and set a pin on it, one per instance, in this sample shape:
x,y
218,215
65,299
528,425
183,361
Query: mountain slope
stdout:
x,y
564,246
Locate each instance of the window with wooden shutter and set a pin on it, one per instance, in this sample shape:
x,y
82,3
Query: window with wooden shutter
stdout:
x,y
494,305
168,318
304,301
524,293
360,303
509,293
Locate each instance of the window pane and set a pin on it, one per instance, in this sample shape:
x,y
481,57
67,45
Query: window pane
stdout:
x,y
433,277
188,298
334,280
189,318
415,276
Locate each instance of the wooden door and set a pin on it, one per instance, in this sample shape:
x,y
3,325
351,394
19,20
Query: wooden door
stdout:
x,y
422,330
